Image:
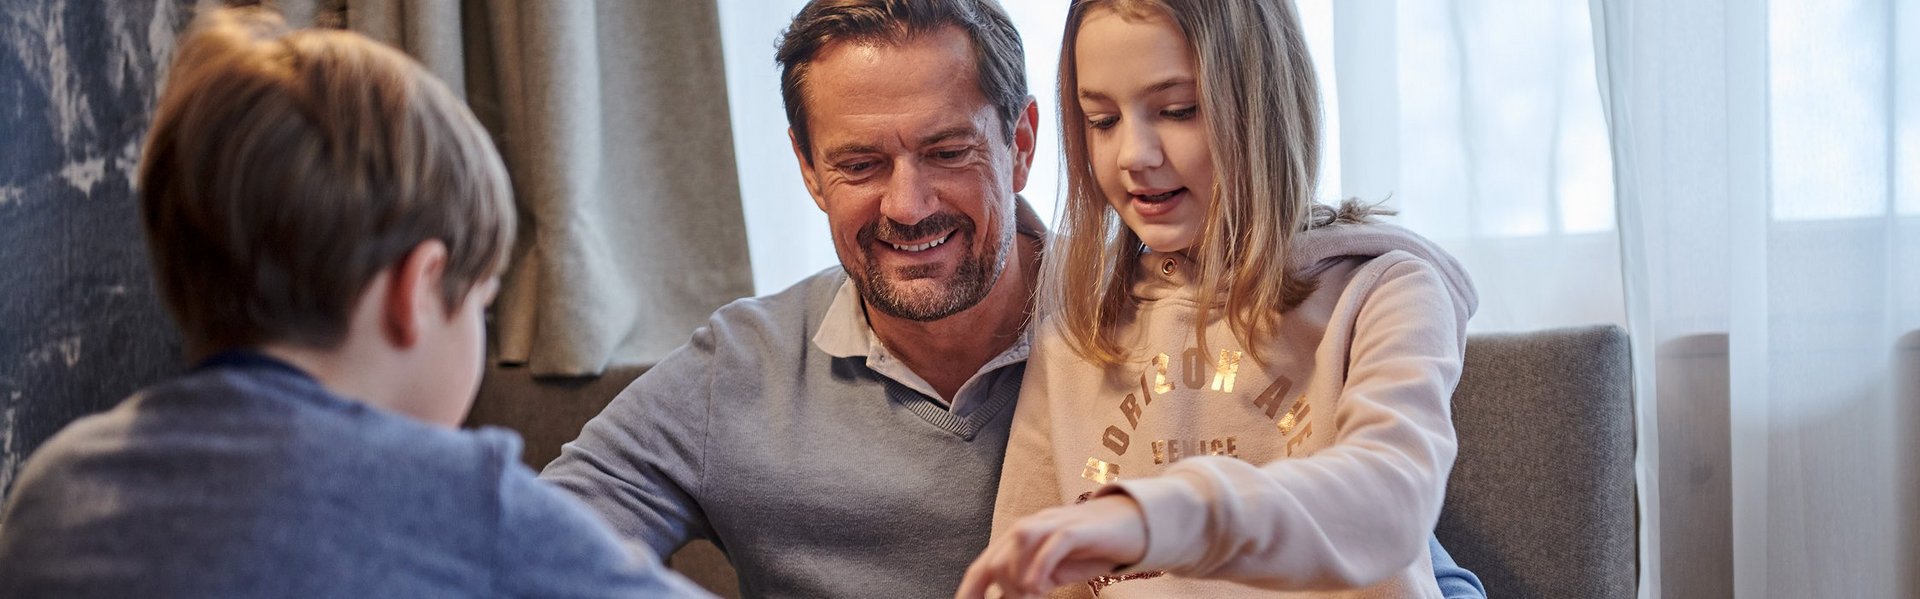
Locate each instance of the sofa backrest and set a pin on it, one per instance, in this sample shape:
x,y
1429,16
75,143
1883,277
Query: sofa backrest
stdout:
x,y
1541,502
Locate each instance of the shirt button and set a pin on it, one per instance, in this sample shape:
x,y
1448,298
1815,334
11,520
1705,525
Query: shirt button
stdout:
x,y
1166,268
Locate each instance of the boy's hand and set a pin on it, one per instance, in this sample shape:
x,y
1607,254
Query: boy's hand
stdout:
x,y
1059,546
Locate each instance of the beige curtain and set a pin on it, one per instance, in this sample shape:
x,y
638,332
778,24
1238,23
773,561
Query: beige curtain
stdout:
x,y
612,116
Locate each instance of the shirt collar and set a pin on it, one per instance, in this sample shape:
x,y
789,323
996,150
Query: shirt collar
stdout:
x,y
845,333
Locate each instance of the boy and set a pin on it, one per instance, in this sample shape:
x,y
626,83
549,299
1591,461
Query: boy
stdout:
x,y
328,224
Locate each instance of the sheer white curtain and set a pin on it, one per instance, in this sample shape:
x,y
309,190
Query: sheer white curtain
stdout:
x,y
1767,154
1479,120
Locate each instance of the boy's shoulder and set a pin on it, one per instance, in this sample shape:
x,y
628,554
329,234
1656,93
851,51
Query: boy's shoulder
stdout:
x,y
279,413
279,434
263,472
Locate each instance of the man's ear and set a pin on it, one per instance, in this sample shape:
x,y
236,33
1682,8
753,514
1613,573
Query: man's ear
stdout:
x,y
1025,136
806,171
413,293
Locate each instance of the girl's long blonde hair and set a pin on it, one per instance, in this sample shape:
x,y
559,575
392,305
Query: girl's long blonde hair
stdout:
x,y
1261,102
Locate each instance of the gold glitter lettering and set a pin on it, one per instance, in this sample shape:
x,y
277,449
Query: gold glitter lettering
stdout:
x,y
1131,409
1116,440
1167,451
1160,382
1100,583
1305,432
1193,367
1226,370
1100,472
1295,415
1270,398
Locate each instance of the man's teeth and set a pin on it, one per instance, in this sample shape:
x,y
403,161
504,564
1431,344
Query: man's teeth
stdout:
x,y
924,246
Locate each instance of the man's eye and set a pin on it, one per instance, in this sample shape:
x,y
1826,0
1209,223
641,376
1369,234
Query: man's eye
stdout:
x,y
1181,113
950,156
855,168
1102,122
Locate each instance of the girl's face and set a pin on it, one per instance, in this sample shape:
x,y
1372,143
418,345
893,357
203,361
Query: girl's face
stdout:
x,y
1146,135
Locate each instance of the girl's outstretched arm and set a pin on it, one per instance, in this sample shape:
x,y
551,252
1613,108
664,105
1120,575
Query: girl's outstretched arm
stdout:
x,y
1057,547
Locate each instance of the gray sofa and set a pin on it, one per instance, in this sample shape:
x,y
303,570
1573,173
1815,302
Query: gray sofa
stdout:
x,y
1541,500
1540,504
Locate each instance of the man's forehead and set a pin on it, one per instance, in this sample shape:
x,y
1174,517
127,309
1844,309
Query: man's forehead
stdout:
x,y
883,130
913,89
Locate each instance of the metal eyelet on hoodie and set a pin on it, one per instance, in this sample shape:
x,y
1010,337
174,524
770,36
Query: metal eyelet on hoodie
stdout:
x,y
1166,268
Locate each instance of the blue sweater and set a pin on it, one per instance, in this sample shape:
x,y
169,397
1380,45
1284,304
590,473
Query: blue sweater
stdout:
x,y
246,478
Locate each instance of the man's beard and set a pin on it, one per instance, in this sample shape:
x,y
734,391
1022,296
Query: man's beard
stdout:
x,y
969,283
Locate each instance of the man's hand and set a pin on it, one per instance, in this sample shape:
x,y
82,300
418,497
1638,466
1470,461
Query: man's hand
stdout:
x,y
1059,546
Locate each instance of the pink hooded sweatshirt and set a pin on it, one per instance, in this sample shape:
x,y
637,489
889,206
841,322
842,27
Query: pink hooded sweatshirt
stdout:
x,y
1318,471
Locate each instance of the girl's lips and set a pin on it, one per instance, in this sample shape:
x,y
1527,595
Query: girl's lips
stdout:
x,y
1157,196
1159,204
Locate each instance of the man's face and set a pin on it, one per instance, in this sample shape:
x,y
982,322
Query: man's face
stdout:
x,y
912,167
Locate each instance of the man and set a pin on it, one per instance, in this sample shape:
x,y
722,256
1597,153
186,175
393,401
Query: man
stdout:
x,y
843,438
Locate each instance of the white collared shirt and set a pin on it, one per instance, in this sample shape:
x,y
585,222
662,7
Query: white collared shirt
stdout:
x,y
845,333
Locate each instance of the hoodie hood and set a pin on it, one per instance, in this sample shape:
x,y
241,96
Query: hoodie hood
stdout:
x,y
1320,248
1317,249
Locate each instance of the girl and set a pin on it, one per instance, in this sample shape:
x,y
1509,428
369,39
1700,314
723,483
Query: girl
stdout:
x,y
1238,387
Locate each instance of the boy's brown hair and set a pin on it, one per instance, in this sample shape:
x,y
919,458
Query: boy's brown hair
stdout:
x,y
285,170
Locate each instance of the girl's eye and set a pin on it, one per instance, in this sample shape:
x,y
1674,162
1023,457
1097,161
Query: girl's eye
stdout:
x,y
1102,122
1181,113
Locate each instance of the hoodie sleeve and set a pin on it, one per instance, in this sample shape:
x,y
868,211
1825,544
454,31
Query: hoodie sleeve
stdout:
x,y
1356,511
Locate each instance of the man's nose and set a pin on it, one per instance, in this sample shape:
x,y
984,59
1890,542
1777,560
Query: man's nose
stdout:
x,y
1139,146
910,195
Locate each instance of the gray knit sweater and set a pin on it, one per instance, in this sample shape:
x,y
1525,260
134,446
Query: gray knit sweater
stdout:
x,y
818,475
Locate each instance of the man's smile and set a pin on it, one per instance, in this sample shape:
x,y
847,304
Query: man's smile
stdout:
x,y
921,247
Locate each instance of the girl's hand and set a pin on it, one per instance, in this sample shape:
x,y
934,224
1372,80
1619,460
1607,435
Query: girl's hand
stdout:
x,y
1059,546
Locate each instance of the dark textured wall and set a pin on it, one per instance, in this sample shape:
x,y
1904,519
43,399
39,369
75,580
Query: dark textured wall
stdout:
x,y
80,325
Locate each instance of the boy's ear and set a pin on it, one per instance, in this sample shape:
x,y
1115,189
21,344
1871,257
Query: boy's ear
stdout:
x,y
413,293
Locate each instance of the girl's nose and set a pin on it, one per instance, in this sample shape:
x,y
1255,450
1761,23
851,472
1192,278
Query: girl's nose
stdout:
x,y
1139,146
